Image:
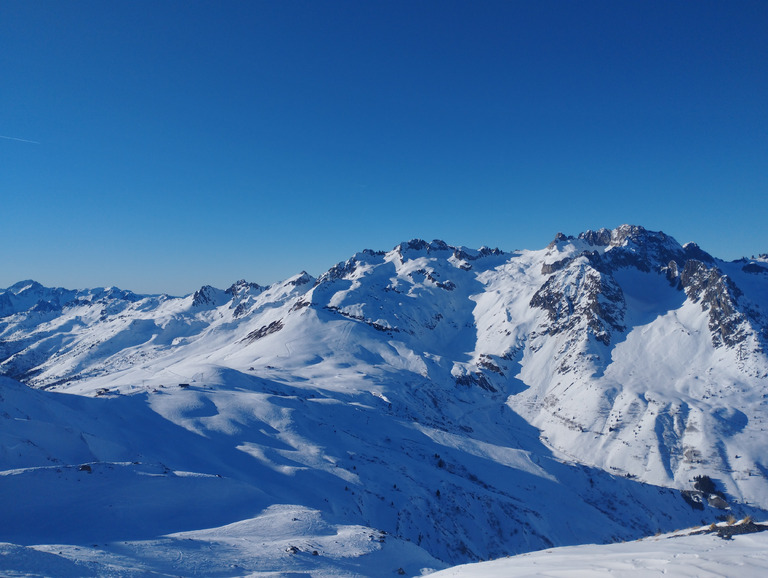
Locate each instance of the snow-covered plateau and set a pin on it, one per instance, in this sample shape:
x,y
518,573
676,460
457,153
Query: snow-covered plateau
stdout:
x,y
405,412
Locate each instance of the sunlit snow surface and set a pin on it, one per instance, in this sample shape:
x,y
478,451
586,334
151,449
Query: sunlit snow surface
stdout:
x,y
281,541
745,556
293,541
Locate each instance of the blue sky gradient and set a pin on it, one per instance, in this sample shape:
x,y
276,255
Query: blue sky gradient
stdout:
x,y
167,145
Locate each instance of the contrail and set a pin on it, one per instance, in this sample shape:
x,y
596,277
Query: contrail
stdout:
x,y
19,139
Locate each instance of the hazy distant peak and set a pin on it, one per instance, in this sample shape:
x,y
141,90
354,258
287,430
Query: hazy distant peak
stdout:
x,y
24,286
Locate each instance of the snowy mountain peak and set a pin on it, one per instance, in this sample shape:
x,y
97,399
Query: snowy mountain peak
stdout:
x,y
302,278
208,296
693,251
24,286
239,288
601,237
420,245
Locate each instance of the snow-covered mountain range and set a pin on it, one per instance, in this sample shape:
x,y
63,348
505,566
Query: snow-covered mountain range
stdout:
x,y
432,404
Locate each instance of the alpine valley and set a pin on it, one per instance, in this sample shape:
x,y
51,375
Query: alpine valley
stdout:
x,y
404,412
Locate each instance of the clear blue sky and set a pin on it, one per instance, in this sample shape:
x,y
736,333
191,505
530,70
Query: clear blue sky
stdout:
x,y
166,145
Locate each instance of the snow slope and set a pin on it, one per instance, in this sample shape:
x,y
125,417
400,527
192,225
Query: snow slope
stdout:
x,y
675,555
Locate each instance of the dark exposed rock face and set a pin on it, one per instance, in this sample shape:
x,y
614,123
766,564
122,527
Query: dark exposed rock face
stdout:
x,y
438,245
241,309
582,288
273,327
241,287
672,273
302,279
377,326
478,379
645,250
601,237
204,296
300,304
422,245
433,277
339,271
549,268
745,527
634,246
559,238
692,251
242,294
482,252
717,294
596,301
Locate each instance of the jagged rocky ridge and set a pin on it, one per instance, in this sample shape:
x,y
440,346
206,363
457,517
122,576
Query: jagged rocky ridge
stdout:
x,y
584,370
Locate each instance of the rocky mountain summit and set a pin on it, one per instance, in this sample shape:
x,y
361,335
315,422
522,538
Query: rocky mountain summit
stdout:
x,y
472,403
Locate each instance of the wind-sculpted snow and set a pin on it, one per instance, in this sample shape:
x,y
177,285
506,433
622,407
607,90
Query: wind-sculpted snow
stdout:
x,y
468,403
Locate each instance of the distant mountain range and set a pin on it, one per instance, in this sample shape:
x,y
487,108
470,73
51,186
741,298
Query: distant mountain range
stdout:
x,y
466,404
